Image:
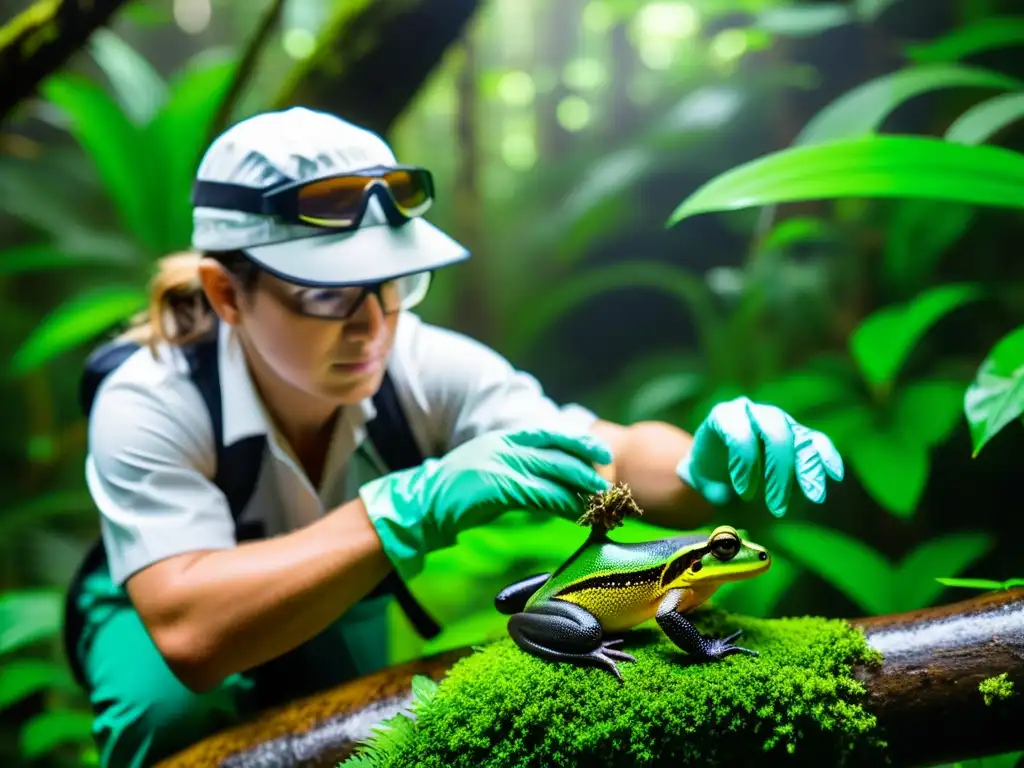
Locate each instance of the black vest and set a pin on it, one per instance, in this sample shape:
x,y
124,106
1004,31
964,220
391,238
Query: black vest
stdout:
x,y
238,467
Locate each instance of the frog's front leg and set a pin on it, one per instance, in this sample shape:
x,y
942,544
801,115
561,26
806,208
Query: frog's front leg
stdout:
x,y
560,631
681,632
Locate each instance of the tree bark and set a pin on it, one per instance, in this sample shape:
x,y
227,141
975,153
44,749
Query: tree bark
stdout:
x,y
40,40
373,60
925,695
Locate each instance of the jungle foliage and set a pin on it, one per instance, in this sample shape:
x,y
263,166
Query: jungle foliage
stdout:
x,y
736,211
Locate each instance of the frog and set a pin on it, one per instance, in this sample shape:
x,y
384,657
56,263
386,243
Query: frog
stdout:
x,y
580,612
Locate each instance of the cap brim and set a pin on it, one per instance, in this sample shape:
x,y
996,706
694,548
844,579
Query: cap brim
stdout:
x,y
367,255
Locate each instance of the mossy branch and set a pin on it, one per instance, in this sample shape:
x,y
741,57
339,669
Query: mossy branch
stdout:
x,y
39,41
398,43
924,695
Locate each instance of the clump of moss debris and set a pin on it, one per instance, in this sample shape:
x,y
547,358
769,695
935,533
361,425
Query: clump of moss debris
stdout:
x,y
607,510
998,687
797,700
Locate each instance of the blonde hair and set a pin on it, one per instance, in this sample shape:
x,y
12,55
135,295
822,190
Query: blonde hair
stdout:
x,y
179,311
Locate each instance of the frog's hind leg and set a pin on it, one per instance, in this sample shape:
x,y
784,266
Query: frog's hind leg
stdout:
x,y
513,598
562,631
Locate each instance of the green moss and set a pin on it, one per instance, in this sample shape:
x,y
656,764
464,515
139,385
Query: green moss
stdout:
x,y
797,700
997,687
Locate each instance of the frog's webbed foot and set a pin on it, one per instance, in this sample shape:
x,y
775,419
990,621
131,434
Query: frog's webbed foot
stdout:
x,y
681,632
561,631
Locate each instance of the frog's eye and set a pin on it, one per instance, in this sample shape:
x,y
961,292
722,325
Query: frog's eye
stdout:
x,y
725,546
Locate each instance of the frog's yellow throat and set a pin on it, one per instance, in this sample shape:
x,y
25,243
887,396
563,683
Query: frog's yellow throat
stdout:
x,y
723,557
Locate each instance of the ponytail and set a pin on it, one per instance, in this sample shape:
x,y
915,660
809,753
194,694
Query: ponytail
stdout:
x,y
179,311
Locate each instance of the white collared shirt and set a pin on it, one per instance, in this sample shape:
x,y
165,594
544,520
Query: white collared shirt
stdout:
x,y
152,458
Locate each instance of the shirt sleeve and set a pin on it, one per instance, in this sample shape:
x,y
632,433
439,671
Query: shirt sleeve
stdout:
x,y
469,389
149,466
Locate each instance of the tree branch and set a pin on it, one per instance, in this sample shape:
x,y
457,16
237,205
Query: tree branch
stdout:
x,y
374,57
40,40
925,695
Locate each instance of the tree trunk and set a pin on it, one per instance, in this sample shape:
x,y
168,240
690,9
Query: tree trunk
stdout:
x,y
925,695
375,56
39,40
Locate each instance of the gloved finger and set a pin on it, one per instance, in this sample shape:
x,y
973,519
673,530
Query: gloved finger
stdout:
x,y
731,422
552,464
830,457
810,467
780,458
586,446
826,457
546,495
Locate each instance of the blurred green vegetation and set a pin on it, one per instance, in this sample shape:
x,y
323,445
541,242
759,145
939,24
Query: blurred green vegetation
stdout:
x,y
670,203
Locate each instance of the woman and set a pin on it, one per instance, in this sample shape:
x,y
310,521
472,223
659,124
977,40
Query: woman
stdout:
x,y
256,517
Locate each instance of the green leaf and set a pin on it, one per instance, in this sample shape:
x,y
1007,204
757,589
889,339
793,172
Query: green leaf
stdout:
x,y
984,35
179,134
971,583
929,410
869,166
863,109
849,565
984,120
801,392
892,468
77,320
657,395
140,90
116,149
996,396
50,730
882,342
949,554
794,231
918,235
22,678
28,616
38,257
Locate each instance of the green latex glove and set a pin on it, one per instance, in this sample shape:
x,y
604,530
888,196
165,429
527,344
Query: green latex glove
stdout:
x,y
419,510
739,439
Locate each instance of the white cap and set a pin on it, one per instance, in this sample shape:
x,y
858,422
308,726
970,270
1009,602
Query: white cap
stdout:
x,y
297,144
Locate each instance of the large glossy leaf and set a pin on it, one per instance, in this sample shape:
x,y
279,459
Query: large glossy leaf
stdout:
x,y
802,392
892,468
25,677
139,89
849,565
116,149
883,341
28,616
984,120
79,319
180,131
949,554
869,166
996,396
981,36
863,109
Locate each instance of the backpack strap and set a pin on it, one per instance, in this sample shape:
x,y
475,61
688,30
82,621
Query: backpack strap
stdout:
x,y
396,445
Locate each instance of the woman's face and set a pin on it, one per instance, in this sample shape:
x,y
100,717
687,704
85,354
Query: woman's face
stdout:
x,y
337,362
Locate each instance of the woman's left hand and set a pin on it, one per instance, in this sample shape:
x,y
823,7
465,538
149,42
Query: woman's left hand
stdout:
x,y
741,439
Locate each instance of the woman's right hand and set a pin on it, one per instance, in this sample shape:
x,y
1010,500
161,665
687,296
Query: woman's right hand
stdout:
x,y
419,510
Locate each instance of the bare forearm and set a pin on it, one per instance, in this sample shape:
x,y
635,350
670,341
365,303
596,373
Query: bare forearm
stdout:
x,y
227,611
646,456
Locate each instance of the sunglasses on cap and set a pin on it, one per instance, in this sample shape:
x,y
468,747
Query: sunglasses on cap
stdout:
x,y
338,202
340,303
